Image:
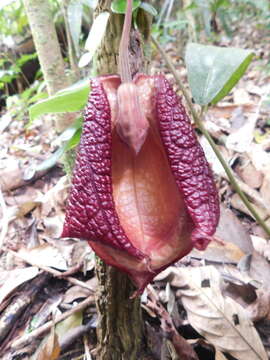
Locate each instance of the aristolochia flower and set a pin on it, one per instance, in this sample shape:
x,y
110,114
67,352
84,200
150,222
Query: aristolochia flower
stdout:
x,y
142,192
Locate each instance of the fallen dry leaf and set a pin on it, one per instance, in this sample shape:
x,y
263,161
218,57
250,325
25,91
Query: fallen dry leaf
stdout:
x,y
262,246
10,280
220,356
259,269
49,348
260,158
250,175
260,308
265,189
241,97
44,255
76,292
236,240
238,204
221,320
241,139
11,176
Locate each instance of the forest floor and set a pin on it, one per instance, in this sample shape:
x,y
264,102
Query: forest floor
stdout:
x,y
233,314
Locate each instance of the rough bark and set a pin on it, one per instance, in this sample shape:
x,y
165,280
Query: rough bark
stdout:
x,y
120,327
48,49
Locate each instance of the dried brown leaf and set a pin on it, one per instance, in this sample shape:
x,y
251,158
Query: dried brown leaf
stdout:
x,y
10,280
251,176
45,255
265,189
238,204
236,240
260,308
262,246
77,292
221,320
220,356
51,349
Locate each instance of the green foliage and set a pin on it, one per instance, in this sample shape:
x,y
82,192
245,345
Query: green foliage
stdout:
x,y
14,68
213,71
119,6
227,14
148,8
17,105
13,19
70,138
70,99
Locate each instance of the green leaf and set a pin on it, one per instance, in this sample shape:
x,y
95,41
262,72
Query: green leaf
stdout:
x,y
52,160
119,6
25,58
70,131
213,71
74,141
149,8
70,99
73,134
95,37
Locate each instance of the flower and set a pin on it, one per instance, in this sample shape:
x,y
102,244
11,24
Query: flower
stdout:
x,y
142,192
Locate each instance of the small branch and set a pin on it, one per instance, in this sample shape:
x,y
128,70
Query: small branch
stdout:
x,y
124,67
54,272
26,339
200,125
4,220
182,348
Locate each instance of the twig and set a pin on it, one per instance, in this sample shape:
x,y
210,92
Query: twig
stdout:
x,y
183,349
4,221
54,272
200,125
26,339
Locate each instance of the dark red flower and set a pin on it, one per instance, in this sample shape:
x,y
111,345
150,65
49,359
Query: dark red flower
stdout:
x,y
142,192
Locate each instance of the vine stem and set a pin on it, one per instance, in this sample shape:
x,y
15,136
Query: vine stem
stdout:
x,y
209,138
124,67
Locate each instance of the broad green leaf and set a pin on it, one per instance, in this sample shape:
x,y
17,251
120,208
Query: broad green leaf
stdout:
x,y
119,6
52,160
213,71
38,96
73,141
95,37
25,58
85,59
70,99
149,8
70,131
74,15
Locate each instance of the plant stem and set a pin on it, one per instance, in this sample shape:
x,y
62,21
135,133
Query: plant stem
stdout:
x,y
200,125
124,67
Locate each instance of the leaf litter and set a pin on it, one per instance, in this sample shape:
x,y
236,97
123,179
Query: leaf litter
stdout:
x,y
219,299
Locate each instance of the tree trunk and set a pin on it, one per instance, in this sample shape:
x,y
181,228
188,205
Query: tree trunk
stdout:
x,y
48,49
120,327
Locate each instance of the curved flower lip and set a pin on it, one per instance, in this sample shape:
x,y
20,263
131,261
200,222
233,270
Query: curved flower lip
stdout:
x,y
142,210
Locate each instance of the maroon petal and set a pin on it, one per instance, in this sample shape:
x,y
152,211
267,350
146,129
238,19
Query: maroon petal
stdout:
x,y
188,163
90,212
